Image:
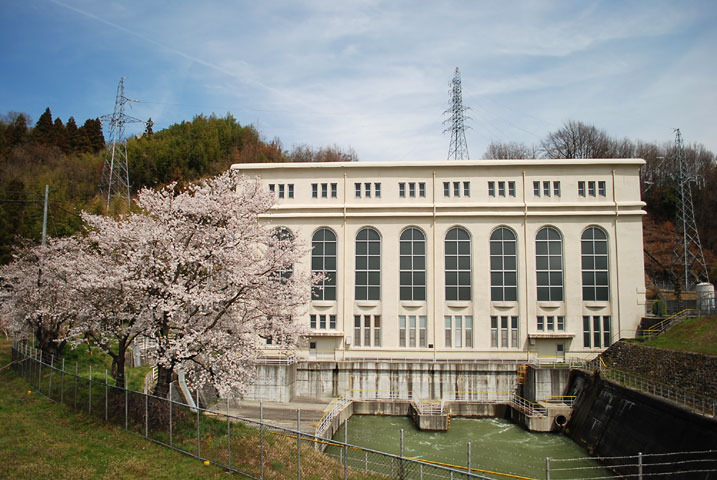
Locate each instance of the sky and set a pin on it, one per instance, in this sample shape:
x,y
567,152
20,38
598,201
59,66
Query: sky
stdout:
x,y
373,75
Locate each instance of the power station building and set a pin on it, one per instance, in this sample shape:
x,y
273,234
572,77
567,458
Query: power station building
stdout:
x,y
465,260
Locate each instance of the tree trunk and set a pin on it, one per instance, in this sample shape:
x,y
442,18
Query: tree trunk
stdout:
x,y
164,378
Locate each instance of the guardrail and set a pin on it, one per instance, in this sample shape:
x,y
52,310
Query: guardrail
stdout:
x,y
669,321
531,409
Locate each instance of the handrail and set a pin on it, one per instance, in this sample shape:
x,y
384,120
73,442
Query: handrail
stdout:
x,y
662,326
530,408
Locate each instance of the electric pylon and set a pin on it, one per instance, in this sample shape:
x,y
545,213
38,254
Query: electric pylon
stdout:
x,y
458,148
689,264
115,172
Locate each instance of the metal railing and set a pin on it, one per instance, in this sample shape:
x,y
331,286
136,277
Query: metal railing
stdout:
x,y
697,403
669,321
531,409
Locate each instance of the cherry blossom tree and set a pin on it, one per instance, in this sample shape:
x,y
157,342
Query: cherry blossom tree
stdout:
x,y
41,298
209,278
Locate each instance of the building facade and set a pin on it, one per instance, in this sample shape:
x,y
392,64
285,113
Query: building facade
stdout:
x,y
466,260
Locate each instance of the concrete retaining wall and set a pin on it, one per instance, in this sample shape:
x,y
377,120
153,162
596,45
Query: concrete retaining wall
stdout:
x,y
609,420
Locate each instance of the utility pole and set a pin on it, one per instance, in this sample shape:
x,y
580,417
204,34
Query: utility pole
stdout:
x,y
458,148
44,216
115,172
689,264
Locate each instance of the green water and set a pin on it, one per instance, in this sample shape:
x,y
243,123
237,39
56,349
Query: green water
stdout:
x,y
496,445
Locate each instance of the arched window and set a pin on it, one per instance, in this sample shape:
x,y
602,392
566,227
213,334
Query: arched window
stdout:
x,y
368,265
549,265
458,264
323,259
413,265
503,266
593,245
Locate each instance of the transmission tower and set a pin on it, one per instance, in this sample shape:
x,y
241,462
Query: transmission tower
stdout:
x,y
458,148
115,173
689,266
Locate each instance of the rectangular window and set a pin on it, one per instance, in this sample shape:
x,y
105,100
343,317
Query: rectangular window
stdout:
x,y
449,329
411,330
367,187
494,331
561,323
491,189
314,190
581,188
551,323
412,189
422,331
469,331
541,323
401,330
334,190
596,331
357,188
591,189
511,189
536,189
586,331
504,331
312,321
466,189
556,189
546,189
367,330
514,332
281,190
458,332
322,322
606,330
402,190
602,189
377,331
324,190
456,189
357,330
377,190
501,189
332,322
422,189
291,190
272,187
446,189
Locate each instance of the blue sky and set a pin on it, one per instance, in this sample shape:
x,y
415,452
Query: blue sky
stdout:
x,y
372,75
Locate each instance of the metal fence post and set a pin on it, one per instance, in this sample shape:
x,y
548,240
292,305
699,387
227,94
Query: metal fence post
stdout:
x,y
39,372
62,382
171,444
146,415
469,470
401,472
639,465
229,438
346,449
547,468
199,441
261,437
106,391
52,367
126,407
89,407
298,444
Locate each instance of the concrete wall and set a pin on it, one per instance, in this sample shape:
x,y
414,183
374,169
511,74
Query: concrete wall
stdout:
x,y
609,420
275,383
543,383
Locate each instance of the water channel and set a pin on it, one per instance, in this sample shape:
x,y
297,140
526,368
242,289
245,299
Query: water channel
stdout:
x,y
496,445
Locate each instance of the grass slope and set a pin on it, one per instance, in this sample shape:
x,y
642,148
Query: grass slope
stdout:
x,y
43,439
694,335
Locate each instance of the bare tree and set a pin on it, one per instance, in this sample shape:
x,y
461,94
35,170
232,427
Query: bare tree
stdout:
x,y
577,140
508,150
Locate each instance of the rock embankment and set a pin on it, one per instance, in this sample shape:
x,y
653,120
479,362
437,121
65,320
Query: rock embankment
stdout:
x,y
691,372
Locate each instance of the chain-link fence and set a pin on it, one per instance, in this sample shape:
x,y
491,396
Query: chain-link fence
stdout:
x,y
253,448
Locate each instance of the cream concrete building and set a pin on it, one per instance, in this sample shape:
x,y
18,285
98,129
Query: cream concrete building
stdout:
x,y
465,260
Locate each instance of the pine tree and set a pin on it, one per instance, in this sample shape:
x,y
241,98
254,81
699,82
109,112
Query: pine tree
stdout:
x,y
43,128
59,135
71,130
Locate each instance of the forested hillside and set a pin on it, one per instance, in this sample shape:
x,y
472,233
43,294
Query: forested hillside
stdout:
x,y
69,159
